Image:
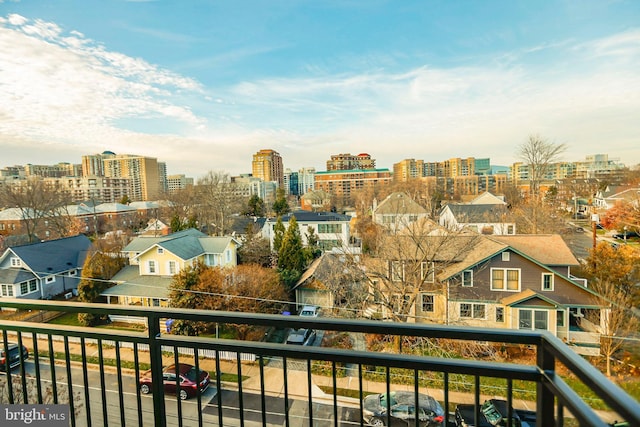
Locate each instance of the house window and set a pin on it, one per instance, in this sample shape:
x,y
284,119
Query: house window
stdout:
x,y
330,228
72,272
500,314
397,271
172,267
24,288
506,256
547,281
467,278
152,267
6,290
427,303
475,311
560,318
228,255
160,251
510,229
33,285
15,262
505,279
533,319
427,271
50,279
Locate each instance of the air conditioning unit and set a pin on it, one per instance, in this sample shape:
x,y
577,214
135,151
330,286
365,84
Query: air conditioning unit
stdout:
x,y
68,295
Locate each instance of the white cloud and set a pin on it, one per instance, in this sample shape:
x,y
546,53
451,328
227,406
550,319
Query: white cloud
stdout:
x,y
71,93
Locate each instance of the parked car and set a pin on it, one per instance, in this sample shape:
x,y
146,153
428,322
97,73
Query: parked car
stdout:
x,y
493,413
301,336
14,355
309,311
189,380
625,235
402,407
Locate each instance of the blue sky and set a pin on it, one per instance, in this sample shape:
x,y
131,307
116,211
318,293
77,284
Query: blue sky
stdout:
x,y
202,85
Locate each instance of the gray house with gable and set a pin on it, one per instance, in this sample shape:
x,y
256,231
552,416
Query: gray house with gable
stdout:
x,y
43,270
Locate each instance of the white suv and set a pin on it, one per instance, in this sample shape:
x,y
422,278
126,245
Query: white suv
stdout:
x,y
309,311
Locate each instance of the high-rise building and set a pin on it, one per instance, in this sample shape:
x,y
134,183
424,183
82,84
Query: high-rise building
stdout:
x,y
342,162
143,174
176,183
52,171
267,165
291,182
306,180
408,169
342,183
93,164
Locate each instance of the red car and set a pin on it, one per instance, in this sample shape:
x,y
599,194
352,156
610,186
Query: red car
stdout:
x,y
188,380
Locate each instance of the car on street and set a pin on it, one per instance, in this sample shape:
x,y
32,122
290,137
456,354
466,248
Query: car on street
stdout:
x,y
493,412
301,336
402,407
14,355
186,376
309,311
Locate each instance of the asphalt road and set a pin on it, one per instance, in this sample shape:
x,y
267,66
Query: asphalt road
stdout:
x,y
92,406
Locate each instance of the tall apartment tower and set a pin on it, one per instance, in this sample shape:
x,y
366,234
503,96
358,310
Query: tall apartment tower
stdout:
x,y
342,162
408,169
143,173
267,165
93,164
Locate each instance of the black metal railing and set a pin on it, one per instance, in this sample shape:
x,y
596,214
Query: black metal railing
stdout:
x,y
96,372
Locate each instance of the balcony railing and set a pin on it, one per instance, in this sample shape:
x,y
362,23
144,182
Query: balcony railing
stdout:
x,y
95,372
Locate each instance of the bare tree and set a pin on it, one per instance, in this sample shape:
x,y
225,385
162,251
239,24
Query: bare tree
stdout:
x,y
218,201
613,273
37,201
406,264
538,154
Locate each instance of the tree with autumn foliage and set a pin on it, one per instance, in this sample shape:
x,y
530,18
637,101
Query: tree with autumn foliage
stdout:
x,y
622,215
246,288
613,273
99,267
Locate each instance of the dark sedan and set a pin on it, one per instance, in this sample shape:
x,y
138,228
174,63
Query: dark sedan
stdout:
x,y
403,410
14,355
187,378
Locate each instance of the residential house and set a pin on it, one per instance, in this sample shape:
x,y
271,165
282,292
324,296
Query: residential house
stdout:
x,y
333,281
609,197
511,282
397,211
153,261
485,218
315,200
332,229
485,198
43,270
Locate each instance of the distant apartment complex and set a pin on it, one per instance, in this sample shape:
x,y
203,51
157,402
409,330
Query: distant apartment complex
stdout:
x,y
176,183
267,165
342,183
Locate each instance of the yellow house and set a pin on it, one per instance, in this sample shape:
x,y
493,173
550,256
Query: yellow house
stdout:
x,y
153,261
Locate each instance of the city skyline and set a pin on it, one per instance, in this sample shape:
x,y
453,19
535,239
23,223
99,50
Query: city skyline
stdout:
x,y
205,87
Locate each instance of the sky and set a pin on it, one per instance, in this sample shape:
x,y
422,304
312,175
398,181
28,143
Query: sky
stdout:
x,y
203,85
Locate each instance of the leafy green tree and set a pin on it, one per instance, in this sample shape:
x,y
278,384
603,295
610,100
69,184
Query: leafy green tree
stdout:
x,y
255,206
280,206
278,234
291,256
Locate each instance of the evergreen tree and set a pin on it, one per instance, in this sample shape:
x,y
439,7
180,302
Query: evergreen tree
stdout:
x,y
278,235
291,256
280,206
312,250
255,206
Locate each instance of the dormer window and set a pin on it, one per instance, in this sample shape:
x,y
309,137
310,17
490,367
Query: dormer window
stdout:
x,y
160,251
506,256
16,262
